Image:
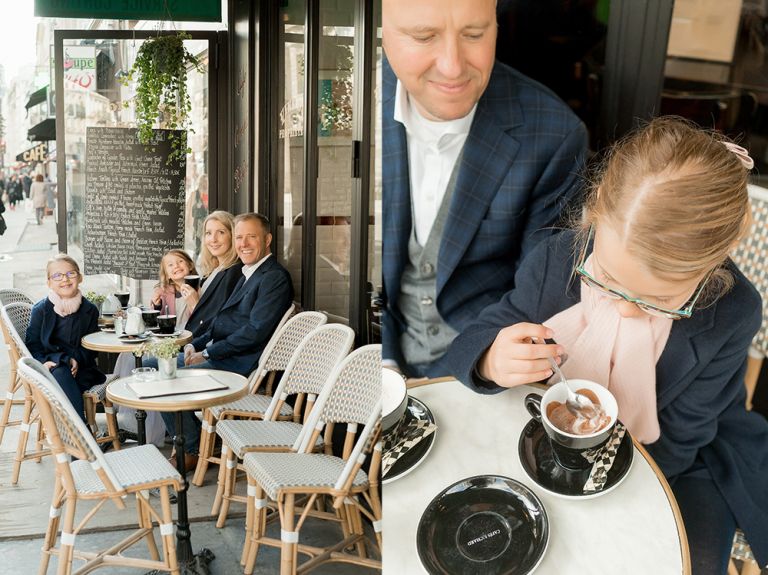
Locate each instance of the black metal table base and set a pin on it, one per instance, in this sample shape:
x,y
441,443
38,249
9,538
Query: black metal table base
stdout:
x,y
198,565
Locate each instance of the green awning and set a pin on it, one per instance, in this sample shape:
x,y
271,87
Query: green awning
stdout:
x,y
45,131
37,97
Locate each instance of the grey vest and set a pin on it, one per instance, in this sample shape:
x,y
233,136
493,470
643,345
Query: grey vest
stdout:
x,y
427,336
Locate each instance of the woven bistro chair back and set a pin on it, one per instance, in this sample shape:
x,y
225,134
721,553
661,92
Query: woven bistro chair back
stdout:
x,y
312,363
284,342
14,317
18,316
11,295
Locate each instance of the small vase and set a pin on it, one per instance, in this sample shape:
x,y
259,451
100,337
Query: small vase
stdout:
x,y
167,367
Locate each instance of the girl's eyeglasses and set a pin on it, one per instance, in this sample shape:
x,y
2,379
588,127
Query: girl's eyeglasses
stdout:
x,y
59,276
648,308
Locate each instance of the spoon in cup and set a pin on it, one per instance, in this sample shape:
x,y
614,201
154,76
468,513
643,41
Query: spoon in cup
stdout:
x,y
577,403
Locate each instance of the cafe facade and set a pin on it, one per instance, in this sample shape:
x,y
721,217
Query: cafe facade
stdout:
x,y
282,121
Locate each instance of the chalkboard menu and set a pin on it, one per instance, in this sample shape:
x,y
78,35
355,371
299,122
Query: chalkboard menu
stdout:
x,y
134,202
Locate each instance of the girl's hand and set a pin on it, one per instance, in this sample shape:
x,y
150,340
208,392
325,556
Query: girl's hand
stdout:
x,y
514,359
157,296
73,367
190,295
50,365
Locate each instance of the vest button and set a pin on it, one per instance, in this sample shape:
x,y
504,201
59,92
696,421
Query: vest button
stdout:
x,y
433,330
427,268
426,300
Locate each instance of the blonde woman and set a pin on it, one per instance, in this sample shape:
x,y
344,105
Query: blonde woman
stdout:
x,y
644,300
220,268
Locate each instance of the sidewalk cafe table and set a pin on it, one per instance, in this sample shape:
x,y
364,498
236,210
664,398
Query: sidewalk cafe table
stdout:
x,y
108,342
635,528
120,393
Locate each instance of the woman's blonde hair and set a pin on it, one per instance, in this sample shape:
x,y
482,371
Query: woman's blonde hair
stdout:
x,y
209,262
677,196
61,258
164,279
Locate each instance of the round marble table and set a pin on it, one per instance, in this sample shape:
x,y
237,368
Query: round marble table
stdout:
x,y
108,342
120,392
634,529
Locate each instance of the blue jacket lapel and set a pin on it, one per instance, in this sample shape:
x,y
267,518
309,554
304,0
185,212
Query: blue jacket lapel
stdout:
x,y
396,197
486,160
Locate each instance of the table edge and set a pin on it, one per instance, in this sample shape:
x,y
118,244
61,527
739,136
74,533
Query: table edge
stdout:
x,y
681,534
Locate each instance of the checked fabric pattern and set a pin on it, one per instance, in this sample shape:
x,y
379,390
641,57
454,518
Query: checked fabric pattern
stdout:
x,y
290,337
356,389
398,444
751,256
11,295
602,460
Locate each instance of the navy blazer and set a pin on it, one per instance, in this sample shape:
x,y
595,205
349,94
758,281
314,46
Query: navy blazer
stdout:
x,y
519,168
40,331
243,326
700,390
215,296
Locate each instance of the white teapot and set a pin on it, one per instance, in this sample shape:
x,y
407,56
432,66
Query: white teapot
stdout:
x,y
134,325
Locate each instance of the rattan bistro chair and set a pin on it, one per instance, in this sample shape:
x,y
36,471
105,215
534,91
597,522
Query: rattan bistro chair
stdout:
x,y
100,477
15,319
19,317
354,398
10,296
274,358
307,373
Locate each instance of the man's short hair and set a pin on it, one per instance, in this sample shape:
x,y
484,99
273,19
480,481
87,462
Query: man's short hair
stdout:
x,y
255,216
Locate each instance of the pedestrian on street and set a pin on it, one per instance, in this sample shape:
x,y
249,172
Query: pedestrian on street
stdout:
x,y
39,197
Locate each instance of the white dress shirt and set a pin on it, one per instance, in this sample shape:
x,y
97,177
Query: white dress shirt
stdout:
x,y
433,148
248,270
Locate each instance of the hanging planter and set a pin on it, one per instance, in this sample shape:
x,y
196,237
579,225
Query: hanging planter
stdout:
x,y
160,72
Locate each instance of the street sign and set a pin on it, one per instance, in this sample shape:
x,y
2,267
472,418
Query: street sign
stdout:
x,y
35,154
177,10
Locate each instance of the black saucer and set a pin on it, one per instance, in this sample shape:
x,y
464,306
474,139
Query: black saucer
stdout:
x,y
488,524
538,462
408,461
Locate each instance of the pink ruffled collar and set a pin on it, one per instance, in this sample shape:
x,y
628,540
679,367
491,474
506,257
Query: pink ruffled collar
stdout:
x,y
65,307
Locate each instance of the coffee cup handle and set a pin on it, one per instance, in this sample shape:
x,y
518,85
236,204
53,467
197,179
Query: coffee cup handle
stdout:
x,y
533,405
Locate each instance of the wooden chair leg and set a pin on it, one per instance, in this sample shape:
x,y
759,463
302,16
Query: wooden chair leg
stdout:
x,y
13,387
207,443
750,568
90,414
230,477
145,521
259,512
112,428
166,530
66,550
220,481
53,526
754,363
21,447
287,534
40,437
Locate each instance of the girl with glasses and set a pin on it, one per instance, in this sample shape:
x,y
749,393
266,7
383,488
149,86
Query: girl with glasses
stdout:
x,y
57,325
644,299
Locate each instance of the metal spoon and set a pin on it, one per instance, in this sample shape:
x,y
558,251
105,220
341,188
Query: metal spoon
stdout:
x,y
577,403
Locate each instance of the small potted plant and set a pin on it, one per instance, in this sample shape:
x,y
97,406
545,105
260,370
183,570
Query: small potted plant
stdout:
x,y
96,299
165,350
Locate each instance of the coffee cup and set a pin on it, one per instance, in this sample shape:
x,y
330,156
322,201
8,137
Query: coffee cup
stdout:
x,y
166,323
150,317
123,298
570,450
192,281
394,400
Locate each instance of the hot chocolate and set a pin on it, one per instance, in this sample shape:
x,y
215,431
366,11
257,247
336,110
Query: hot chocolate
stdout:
x,y
562,418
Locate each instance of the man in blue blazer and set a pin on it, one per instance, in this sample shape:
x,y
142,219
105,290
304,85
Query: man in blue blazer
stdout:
x,y
478,162
238,334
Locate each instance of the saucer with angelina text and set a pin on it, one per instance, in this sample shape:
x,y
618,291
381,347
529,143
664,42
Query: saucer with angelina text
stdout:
x,y
539,463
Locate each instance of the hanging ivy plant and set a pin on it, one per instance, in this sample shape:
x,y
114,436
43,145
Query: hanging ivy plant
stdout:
x,y
160,71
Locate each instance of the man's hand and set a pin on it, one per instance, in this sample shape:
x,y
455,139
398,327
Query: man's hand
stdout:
x,y
194,358
514,359
73,367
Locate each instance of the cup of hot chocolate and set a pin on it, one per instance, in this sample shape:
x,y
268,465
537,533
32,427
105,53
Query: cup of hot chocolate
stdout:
x,y
166,323
193,281
571,436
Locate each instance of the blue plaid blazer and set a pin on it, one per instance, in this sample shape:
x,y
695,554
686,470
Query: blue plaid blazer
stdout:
x,y
518,169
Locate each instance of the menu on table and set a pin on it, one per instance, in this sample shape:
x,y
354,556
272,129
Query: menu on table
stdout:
x,y
177,386
134,202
